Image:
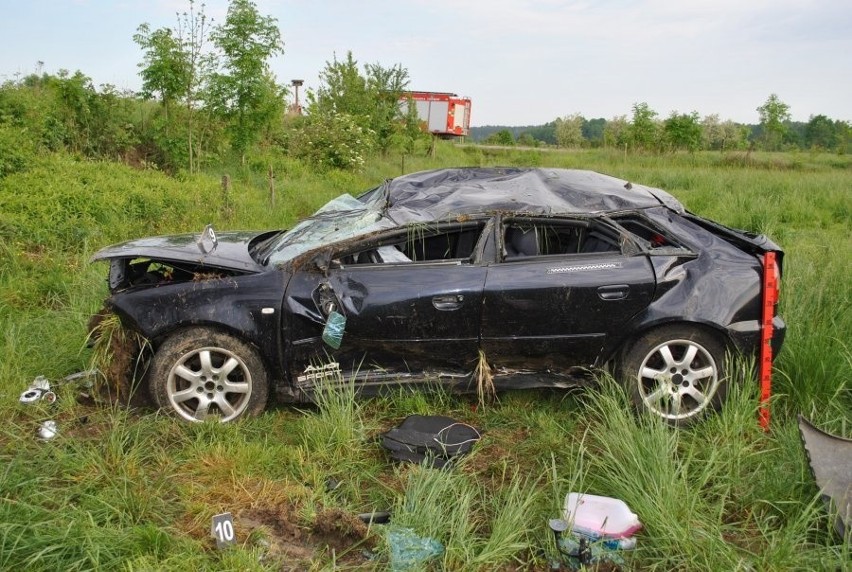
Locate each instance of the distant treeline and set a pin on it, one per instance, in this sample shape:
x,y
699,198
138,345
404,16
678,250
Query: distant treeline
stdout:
x,y
645,131
208,97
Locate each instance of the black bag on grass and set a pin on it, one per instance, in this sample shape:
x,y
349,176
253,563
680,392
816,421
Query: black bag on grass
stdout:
x,y
431,440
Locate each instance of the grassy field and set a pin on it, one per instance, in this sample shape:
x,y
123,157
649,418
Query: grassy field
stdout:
x,y
136,490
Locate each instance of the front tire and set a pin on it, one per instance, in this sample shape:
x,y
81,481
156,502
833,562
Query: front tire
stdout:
x,y
201,373
676,373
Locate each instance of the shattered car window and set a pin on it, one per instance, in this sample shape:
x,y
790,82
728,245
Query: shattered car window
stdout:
x,y
417,243
340,219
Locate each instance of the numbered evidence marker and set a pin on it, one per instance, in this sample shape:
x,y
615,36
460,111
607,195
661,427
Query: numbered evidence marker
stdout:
x,y
222,530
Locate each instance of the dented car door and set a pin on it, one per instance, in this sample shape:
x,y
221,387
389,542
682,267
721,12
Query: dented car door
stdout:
x,y
412,308
560,288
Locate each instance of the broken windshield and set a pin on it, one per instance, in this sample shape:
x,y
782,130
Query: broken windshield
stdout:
x,y
339,219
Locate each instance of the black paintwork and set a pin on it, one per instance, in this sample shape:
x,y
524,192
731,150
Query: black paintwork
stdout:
x,y
540,320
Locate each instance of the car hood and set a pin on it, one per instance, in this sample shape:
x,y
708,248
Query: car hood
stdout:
x,y
230,250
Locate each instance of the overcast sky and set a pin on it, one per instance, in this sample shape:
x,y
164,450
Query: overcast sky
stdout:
x,y
522,62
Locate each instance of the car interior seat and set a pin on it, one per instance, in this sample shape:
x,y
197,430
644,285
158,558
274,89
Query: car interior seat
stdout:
x,y
521,242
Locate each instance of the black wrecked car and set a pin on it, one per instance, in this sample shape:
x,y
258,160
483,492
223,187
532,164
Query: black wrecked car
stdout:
x,y
541,276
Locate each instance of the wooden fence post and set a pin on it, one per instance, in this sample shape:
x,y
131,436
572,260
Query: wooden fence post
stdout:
x,y
226,197
271,175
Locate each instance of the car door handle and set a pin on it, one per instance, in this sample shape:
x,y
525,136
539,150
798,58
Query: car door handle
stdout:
x,y
614,292
451,302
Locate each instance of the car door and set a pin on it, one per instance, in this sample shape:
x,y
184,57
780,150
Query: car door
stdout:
x,y
412,304
559,288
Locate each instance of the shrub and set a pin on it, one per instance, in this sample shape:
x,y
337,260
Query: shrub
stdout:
x,y
16,151
331,140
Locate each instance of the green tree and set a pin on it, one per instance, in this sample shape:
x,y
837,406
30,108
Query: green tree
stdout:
x,y
526,139
244,92
643,130
371,99
385,86
593,131
711,132
165,69
342,90
617,132
734,135
820,133
774,113
413,129
569,130
502,137
683,131
177,66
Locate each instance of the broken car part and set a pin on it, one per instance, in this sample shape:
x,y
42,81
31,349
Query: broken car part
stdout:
x,y
38,390
47,430
830,459
376,517
554,274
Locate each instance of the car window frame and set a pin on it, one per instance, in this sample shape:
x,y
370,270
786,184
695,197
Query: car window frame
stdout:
x,y
627,245
333,253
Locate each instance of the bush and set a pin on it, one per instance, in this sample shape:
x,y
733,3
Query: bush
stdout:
x,y
17,151
331,141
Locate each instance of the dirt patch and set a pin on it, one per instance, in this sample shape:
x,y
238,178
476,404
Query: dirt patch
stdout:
x,y
296,544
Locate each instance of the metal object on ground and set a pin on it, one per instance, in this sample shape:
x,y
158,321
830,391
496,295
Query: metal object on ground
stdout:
x,y
830,458
48,430
86,376
38,389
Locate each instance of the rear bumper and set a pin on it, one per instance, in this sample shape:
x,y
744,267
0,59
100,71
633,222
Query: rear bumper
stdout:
x,y
746,336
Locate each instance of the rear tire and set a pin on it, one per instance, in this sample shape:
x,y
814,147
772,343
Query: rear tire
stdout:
x,y
201,373
676,373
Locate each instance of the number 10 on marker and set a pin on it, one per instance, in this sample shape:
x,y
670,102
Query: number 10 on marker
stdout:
x,y
222,530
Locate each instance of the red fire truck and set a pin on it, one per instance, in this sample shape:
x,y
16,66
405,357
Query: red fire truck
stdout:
x,y
445,114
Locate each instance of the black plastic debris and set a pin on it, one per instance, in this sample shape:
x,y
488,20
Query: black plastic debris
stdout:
x,y
431,440
830,458
375,517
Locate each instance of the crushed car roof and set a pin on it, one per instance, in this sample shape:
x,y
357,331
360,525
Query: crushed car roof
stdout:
x,y
445,193
448,194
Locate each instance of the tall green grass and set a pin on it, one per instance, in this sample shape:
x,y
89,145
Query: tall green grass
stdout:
x,y
120,489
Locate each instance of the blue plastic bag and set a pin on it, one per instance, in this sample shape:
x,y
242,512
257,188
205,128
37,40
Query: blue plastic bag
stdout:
x,y
409,551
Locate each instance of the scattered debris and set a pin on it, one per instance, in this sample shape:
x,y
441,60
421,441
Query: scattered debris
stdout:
x,y
375,517
594,529
408,551
332,484
48,430
830,458
432,440
39,389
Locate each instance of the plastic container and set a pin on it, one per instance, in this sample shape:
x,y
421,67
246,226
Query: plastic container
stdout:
x,y
601,518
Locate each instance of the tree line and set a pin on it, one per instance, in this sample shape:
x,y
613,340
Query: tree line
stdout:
x,y
208,96
645,131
